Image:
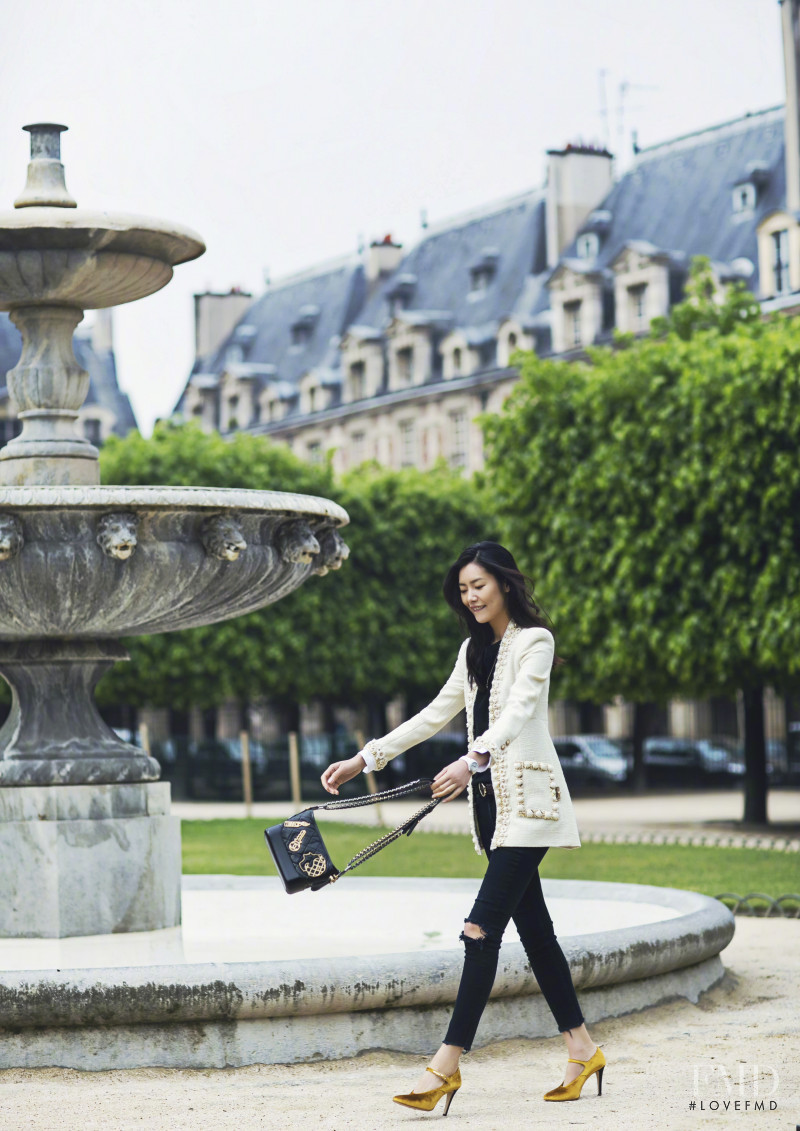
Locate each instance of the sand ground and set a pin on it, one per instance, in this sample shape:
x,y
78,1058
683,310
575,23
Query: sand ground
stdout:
x,y
659,1061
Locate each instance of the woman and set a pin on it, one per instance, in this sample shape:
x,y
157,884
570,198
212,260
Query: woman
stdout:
x,y
519,805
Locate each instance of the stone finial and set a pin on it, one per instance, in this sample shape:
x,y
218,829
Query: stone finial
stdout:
x,y
11,540
334,551
297,543
116,535
45,185
222,537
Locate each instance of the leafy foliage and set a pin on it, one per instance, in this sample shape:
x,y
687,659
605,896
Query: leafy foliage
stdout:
x,y
656,492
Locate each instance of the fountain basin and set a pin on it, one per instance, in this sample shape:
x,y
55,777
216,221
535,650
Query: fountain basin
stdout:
x,y
228,989
87,259
120,561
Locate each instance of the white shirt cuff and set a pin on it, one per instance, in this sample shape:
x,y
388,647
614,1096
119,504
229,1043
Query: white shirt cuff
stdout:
x,y
369,758
481,748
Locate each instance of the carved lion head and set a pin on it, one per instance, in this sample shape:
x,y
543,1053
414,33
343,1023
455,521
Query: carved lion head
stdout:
x,y
11,540
297,543
333,551
222,537
116,535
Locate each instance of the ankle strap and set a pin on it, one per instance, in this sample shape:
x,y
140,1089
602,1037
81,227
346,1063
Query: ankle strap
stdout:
x,y
439,1074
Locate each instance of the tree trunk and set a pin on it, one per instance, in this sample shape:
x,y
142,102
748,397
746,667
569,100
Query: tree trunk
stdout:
x,y
376,718
755,757
639,776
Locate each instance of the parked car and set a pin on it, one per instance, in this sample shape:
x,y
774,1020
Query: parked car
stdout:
x,y
690,761
591,759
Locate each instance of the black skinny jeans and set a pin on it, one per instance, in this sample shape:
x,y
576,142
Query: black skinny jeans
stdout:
x,y
511,889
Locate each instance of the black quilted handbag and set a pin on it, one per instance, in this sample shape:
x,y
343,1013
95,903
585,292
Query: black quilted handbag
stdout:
x,y
299,852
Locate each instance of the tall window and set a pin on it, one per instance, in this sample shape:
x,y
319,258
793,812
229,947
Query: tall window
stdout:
x,y
357,380
574,334
91,429
456,362
314,451
408,443
358,442
405,366
458,438
312,400
780,261
638,307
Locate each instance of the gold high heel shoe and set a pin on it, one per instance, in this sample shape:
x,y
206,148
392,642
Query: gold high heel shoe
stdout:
x,y
427,1101
595,1063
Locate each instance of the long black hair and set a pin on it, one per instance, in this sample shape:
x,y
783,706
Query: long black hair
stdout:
x,y
522,606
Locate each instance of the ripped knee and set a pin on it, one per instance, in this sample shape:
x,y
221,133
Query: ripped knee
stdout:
x,y
474,936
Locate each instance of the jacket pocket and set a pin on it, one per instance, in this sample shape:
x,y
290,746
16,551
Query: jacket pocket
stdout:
x,y
537,793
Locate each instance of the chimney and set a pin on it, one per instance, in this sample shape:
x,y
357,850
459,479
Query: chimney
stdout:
x,y
103,331
790,24
578,179
215,315
383,257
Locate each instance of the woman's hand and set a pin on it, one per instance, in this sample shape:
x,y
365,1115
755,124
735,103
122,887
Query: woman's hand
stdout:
x,y
340,772
451,781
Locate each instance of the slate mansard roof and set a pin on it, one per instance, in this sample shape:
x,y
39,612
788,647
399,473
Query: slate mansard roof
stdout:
x,y
326,300
508,238
677,199
101,366
678,195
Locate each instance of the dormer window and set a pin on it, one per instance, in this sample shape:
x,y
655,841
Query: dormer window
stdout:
x,y
303,326
744,198
483,271
312,400
301,334
456,361
780,261
588,245
479,279
401,293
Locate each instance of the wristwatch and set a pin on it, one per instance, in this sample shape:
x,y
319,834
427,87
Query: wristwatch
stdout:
x,y
472,763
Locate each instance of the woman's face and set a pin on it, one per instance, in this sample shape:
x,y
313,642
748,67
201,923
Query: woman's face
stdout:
x,y
481,593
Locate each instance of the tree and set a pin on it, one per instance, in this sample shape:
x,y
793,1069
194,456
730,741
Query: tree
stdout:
x,y
656,489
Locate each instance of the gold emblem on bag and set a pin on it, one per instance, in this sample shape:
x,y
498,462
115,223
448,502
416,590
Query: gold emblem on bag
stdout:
x,y
296,824
294,845
313,864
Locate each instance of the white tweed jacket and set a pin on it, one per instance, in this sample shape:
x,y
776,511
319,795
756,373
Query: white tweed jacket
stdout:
x,y
534,808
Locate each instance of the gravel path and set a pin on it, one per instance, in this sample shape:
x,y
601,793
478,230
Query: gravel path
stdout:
x,y
751,1018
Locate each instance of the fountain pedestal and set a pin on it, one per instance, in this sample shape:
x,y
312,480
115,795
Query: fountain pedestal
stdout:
x,y
88,860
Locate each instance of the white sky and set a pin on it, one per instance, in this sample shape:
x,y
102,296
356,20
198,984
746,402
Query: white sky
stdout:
x,y
282,130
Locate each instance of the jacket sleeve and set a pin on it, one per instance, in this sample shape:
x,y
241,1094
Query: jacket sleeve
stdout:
x,y
426,722
536,660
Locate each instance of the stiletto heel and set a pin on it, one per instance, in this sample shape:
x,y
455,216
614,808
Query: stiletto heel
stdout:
x,y
427,1101
572,1091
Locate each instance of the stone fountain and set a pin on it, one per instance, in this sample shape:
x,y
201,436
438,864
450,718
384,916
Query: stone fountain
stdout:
x,y
87,842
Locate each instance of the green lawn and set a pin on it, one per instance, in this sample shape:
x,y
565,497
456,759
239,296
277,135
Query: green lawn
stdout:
x,y
236,847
